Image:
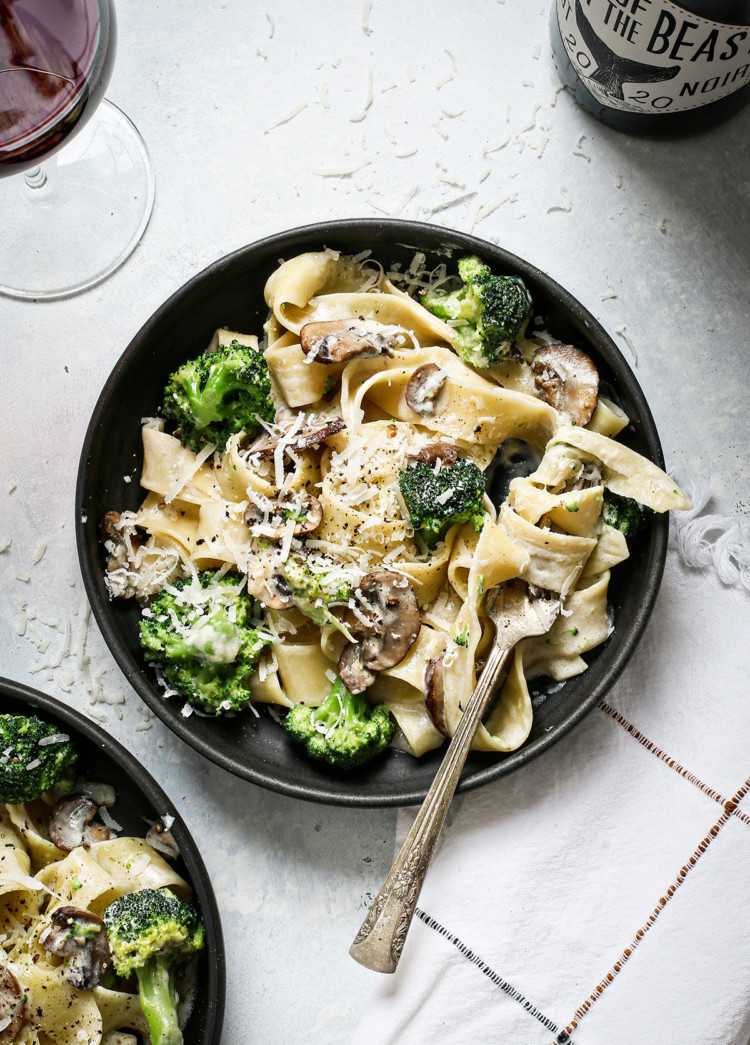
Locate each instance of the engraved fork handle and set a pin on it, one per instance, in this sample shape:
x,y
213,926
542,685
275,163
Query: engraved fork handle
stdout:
x,y
380,940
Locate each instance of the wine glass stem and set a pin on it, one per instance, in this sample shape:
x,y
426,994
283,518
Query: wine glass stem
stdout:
x,y
36,177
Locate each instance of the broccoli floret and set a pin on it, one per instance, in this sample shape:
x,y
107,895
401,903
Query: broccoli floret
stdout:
x,y
345,731
152,933
462,639
30,762
624,513
436,501
315,591
203,633
218,394
494,310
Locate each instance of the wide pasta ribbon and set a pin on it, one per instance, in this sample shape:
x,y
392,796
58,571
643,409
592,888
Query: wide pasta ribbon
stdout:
x,y
320,286
626,472
470,408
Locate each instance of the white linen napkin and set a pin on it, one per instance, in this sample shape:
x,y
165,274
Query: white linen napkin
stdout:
x,y
599,895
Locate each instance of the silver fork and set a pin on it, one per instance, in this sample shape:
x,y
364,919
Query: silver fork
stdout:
x,y
518,612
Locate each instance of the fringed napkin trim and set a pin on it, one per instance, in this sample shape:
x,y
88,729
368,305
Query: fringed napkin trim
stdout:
x,y
711,540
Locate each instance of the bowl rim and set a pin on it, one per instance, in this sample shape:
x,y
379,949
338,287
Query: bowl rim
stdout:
x,y
215,955
404,233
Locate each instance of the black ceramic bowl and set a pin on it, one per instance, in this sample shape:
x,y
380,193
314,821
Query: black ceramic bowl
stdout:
x,y
229,293
138,795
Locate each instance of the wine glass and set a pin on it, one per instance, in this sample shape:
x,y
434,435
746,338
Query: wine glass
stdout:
x,y
68,223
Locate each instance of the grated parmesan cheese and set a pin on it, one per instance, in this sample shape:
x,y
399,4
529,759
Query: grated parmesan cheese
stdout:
x,y
339,172
626,338
54,738
184,478
452,202
108,820
358,117
286,540
287,118
532,120
489,208
578,151
496,146
450,657
566,205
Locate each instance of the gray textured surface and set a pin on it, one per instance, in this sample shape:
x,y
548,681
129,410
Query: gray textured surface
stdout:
x,y
663,226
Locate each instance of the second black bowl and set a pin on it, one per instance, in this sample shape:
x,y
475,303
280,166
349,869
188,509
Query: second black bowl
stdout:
x,y
140,799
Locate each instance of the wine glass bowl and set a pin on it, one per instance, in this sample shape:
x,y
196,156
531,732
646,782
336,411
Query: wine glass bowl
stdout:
x,y
71,220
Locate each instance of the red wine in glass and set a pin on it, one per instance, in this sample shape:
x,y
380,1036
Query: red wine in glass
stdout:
x,y
56,59
82,190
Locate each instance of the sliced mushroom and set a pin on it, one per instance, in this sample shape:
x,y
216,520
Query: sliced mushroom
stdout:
x,y
567,379
255,516
122,542
446,453
434,692
269,586
355,676
276,595
306,510
310,513
337,340
71,823
79,937
13,1014
396,619
311,434
423,389
108,526
385,629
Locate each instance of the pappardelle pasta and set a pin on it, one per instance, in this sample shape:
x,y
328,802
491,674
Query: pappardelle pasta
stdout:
x,y
345,543
65,872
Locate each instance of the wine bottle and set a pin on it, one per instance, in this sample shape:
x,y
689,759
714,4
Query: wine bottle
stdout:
x,y
654,66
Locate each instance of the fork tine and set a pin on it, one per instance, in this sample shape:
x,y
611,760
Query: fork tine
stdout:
x,y
547,605
519,610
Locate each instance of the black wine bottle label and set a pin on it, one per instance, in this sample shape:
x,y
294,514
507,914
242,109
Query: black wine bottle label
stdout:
x,y
652,56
